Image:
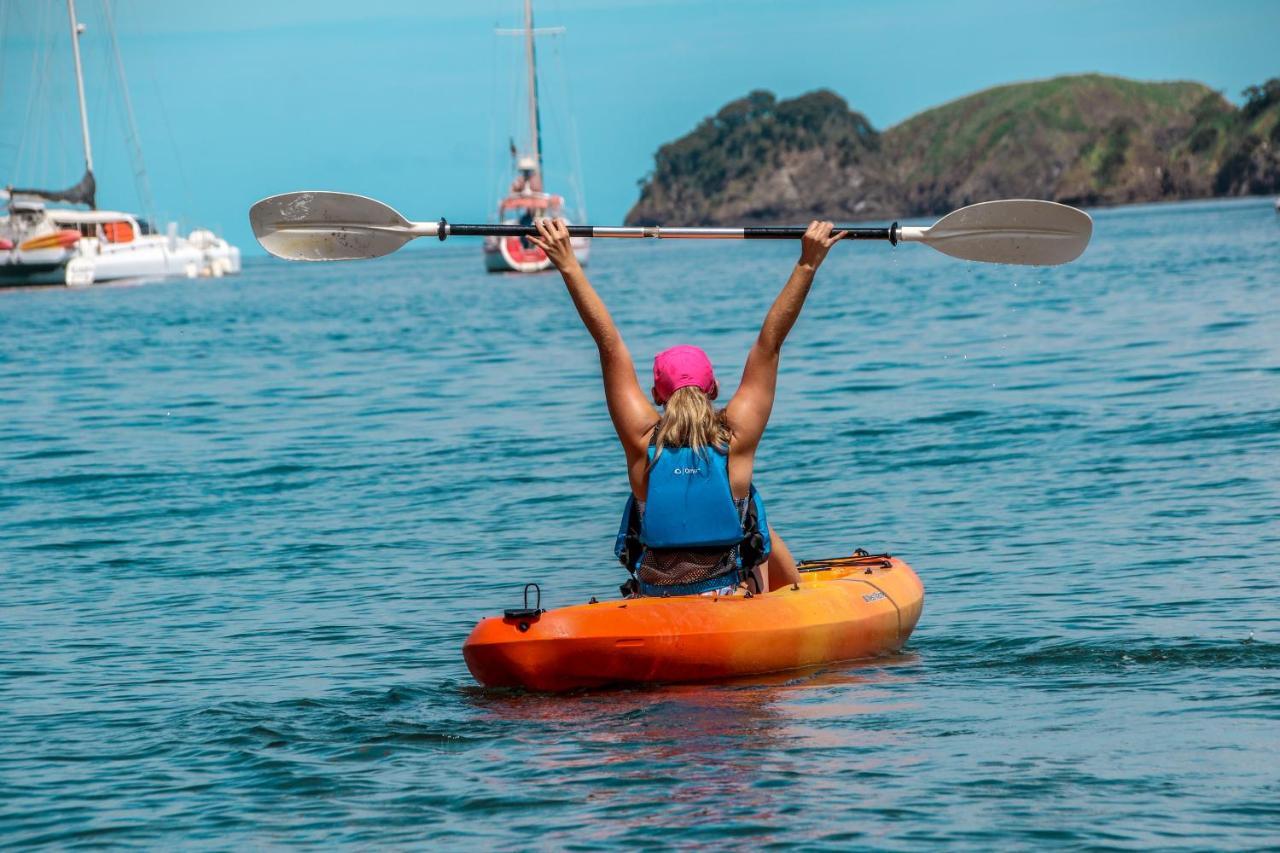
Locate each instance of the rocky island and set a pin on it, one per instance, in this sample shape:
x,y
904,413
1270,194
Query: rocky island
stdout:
x,y
1083,139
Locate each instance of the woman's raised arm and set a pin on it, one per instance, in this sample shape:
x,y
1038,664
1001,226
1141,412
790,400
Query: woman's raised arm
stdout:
x,y
632,413
748,411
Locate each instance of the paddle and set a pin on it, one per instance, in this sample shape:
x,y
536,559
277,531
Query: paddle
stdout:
x,y
329,226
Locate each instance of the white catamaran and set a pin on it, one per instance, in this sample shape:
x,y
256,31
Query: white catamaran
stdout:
x,y
527,200
64,245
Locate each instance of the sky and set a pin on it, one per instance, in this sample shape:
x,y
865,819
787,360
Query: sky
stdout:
x,y
413,102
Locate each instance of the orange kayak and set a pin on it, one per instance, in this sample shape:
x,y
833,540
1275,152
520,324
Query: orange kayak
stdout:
x,y
844,609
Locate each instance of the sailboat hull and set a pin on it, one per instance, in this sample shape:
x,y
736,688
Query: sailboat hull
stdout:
x,y
146,257
28,273
510,254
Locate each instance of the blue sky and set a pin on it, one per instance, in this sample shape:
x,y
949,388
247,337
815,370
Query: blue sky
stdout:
x,y
412,102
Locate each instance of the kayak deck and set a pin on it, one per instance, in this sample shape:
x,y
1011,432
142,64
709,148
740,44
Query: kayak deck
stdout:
x,y
843,609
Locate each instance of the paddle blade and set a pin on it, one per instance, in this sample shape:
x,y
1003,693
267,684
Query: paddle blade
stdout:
x,y
1016,231
327,226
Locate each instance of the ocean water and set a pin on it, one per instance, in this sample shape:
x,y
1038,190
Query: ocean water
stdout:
x,y
245,526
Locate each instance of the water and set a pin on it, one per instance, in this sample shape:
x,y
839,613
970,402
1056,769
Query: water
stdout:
x,y
245,526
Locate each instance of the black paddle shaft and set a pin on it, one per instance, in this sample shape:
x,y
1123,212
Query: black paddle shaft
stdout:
x,y
448,229
796,232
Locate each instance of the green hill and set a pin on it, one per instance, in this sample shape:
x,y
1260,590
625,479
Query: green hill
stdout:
x,y
1087,139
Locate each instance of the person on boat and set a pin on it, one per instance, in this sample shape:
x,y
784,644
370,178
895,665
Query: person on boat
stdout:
x,y
527,182
694,523
527,179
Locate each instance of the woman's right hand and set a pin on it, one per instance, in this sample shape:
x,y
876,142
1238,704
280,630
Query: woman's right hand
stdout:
x,y
816,242
555,241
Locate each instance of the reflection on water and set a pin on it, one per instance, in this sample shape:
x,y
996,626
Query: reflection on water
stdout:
x,y
744,749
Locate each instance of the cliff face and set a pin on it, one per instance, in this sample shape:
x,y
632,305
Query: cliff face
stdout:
x,y
760,159
1086,139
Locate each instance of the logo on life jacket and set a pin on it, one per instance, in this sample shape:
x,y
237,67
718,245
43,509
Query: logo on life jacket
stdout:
x,y
679,470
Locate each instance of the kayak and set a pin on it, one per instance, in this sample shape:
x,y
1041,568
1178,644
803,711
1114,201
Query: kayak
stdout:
x,y
843,609
63,239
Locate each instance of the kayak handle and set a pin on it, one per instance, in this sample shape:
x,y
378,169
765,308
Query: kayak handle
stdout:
x,y
526,612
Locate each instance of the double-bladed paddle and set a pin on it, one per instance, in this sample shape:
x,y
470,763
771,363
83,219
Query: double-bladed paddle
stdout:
x,y
329,226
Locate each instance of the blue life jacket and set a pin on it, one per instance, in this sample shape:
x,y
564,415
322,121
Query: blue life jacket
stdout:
x,y
689,504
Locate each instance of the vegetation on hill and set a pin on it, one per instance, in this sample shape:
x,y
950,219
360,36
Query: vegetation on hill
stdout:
x,y
1085,139
760,158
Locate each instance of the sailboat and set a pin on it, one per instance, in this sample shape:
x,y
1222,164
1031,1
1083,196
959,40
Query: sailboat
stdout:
x,y
64,245
526,200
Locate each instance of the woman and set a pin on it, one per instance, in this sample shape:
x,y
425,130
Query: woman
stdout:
x,y
694,524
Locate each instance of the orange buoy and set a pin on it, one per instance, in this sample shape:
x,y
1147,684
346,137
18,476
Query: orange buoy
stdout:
x,y
844,609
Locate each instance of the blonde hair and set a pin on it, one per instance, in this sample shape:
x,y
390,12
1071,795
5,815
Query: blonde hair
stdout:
x,y
689,421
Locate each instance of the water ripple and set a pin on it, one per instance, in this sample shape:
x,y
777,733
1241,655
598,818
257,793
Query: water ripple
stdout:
x,y
247,525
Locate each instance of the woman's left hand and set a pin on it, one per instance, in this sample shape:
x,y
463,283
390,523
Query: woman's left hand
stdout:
x,y
555,241
817,241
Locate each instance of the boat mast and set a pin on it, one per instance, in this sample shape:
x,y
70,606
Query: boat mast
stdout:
x,y
531,62
84,112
